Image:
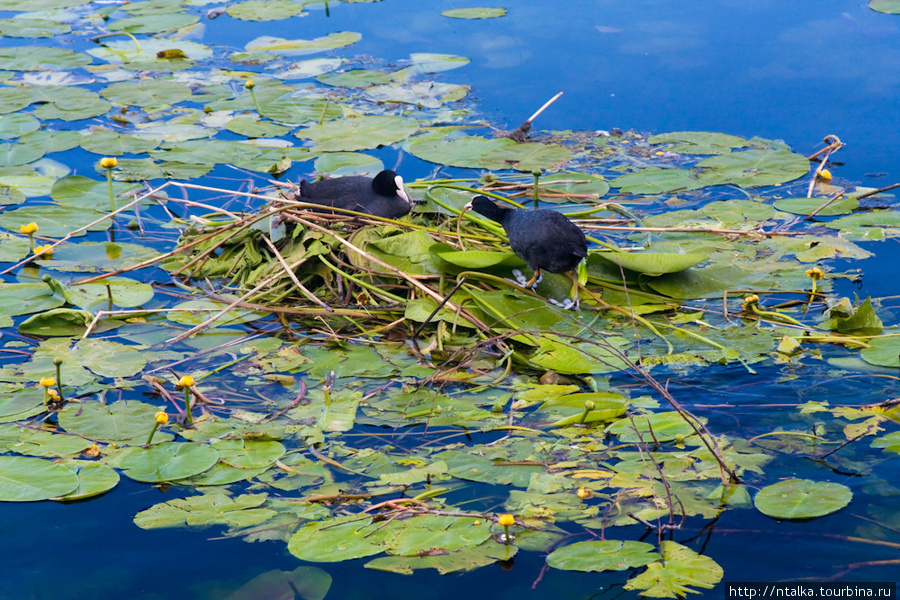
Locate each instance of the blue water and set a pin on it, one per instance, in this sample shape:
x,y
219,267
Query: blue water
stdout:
x,y
795,71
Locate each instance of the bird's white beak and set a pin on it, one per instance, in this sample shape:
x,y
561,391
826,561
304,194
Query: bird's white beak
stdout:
x,y
400,191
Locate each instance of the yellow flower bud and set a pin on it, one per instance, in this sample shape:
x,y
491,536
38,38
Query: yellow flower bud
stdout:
x,y
108,162
584,493
506,520
249,84
824,174
93,451
815,273
186,381
39,249
162,418
48,381
29,228
53,394
750,301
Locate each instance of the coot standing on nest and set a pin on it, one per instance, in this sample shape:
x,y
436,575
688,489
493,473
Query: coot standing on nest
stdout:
x,y
545,239
382,196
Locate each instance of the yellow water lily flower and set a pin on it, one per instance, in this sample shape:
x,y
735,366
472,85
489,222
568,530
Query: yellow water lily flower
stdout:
x,y
584,493
824,174
249,84
108,162
29,228
506,520
39,249
186,381
162,418
47,381
815,273
750,301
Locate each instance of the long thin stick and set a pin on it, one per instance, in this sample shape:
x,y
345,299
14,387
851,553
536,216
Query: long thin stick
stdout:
x,y
543,108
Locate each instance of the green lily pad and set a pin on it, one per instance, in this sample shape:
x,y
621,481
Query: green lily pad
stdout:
x,y
454,561
475,259
699,142
111,143
474,13
32,28
168,461
653,263
84,192
46,444
25,298
891,7
336,540
124,51
342,164
26,479
752,168
665,427
427,62
13,126
605,555
54,221
90,257
19,154
802,499
359,133
22,405
680,570
40,58
205,510
309,68
806,206
120,422
355,78
57,322
295,47
13,99
93,479
309,583
265,10
656,181
253,127
882,351
422,94
146,92
161,23
475,152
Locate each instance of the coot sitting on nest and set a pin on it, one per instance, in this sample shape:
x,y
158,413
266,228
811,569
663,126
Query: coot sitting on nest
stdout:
x,y
545,239
382,196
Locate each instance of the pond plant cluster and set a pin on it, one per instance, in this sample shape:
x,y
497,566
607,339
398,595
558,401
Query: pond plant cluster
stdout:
x,y
364,388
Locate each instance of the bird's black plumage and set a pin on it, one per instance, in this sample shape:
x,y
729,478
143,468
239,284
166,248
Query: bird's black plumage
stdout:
x,y
382,196
544,239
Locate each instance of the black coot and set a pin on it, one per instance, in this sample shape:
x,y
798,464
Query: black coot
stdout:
x,y
382,196
545,239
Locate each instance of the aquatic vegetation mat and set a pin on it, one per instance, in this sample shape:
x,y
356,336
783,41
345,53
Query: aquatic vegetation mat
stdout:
x,y
354,387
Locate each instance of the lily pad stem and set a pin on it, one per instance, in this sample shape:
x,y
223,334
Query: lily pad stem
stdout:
x,y
137,46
